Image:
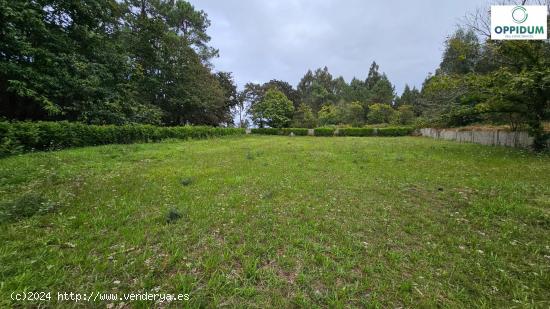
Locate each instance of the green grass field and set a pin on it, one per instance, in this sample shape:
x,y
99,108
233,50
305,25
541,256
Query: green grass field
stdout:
x,y
272,221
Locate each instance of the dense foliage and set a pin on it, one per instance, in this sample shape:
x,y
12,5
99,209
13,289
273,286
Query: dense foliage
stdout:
x,y
18,137
320,99
107,61
487,81
330,131
280,131
324,131
274,109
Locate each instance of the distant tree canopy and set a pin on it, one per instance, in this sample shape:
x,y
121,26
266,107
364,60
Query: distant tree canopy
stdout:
x,y
333,101
108,61
319,87
321,99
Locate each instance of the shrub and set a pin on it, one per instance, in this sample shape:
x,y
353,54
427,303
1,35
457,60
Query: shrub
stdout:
x,y
17,137
404,115
296,131
281,131
395,131
380,113
173,215
324,131
357,132
265,131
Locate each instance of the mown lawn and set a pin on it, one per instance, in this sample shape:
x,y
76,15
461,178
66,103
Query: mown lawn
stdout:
x,y
271,221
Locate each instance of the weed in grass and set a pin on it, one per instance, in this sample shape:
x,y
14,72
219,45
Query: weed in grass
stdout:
x,y
173,215
186,181
268,195
25,206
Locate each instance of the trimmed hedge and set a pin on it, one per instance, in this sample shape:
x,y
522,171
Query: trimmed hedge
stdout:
x,y
296,131
18,137
265,131
324,131
387,131
357,132
279,131
395,131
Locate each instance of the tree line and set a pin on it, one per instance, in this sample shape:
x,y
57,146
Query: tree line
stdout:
x,y
320,99
109,61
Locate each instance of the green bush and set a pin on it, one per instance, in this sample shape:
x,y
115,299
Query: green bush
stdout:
x,y
296,131
265,131
279,131
357,132
18,137
324,131
395,131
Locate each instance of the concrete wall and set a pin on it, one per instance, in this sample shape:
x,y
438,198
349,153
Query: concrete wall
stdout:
x,y
484,137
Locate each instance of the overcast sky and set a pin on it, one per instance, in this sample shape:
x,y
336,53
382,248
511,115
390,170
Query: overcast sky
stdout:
x,y
261,40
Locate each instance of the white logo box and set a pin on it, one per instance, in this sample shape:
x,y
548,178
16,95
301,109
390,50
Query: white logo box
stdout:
x,y
519,22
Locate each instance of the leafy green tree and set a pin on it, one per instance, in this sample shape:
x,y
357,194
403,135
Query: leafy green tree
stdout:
x,y
380,113
274,110
410,97
352,113
329,115
58,60
357,91
373,76
168,41
404,115
496,81
286,88
462,53
231,96
319,88
304,117
382,91
341,89
316,89
254,93
378,88
108,61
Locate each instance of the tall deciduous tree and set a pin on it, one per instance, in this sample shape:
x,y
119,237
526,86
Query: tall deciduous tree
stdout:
x,y
380,113
274,110
108,61
304,117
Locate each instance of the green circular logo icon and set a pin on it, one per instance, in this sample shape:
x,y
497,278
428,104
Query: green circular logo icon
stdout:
x,y
519,14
